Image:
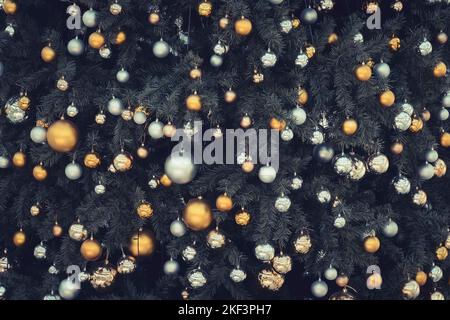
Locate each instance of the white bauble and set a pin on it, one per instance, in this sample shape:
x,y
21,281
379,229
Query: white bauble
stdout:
x,y
317,137
155,129
75,47
90,18
123,76
139,117
390,229
402,185
68,289
378,163
432,155
177,228
309,16
99,189
216,60
13,112
330,273
40,251
73,171
189,253
180,168
171,267
402,121
443,114
269,59
425,48
426,171
446,100
302,60
382,70
287,134
298,116
436,274
161,49
408,108
339,222
323,196
4,162
343,164
296,183
197,279
319,288
238,275
153,183
264,252
267,174
115,106
282,204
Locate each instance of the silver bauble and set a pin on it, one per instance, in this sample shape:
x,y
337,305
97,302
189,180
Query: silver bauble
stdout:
x,y
72,110
323,153
298,116
446,100
390,229
51,297
115,106
189,253
330,273
73,171
443,114
282,264
436,274
177,228
13,112
161,49
75,47
339,222
90,18
68,289
216,60
437,295
425,48
378,163
426,171
282,204
431,155
126,265
275,1
269,59
238,275
319,289
382,70
155,129
309,16
323,196
317,137
286,26
215,239
105,52
342,164
123,76
78,232
402,121
99,189
4,162
408,108
180,168
302,60
411,290
197,279
402,185
38,134
267,174
171,267
264,252
287,134
296,183
40,251
358,170
358,38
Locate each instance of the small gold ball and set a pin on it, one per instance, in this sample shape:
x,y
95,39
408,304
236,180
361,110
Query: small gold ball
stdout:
x,y
24,102
197,214
421,278
142,243
35,210
165,181
9,7
394,44
445,140
349,127
92,160
142,152
194,102
363,73
371,244
426,115
121,37
48,54
242,218
332,38
19,238
224,203
302,96
247,166
169,130
62,136
144,210
19,159
246,122
224,22
243,26
440,70
397,148
442,38
230,96
195,73
91,250
154,18
39,173
295,23
277,124
387,98
57,230
342,280
96,40
441,253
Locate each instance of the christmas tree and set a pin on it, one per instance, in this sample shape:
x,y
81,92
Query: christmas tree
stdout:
x,y
351,202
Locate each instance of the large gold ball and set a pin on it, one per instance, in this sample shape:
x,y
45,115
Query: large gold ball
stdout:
x,y
19,238
371,244
302,96
142,243
144,210
242,218
96,40
92,160
224,203
19,159
194,102
349,127
445,140
387,98
205,9
363,73
441,253
91,250
440,70
48,54
197,214
243,26
39,173
121,37
421,278
57,230
62,136
154,18
9,7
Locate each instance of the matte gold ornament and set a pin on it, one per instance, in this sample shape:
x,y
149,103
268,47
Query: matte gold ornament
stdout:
x,y
92,160
363,73
303,244
123,161
103,277
224,22
96,40
441,253
243,26
342,280
205,8
247,166
440,70
40,173
62,136
445,139
371,244
165,181
394,44
48,54
416,125
332,38
197,214
397,148
142,243
127,114
57,230
421,278
154,17
195,73
144,210
19,238
224,203
142,152
349,127
19,159
242,218
302,96
24,102
269,279
91,250
230,96
194,102
442,37
387,98
120,38
9,7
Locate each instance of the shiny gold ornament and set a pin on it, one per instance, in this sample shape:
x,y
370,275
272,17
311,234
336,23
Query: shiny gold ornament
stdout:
x,y
295,23
342,280
349,127
195,73
123,161
243,26
78,232
224,203
242,218
247,166
371,244
440,70
62,136
91,250
19,159
332,38
277,124
92,160
103,277
342,295
397,148
421,278
39,173
441,253
154,17
126,265
121,37
62,84
205,8
35,210
230,96
445,139
142,152
303,244
397,6
394,44
416,125
363,73
425,115
310,51
257,77
165,181
442,37
115,9
169,130
194,102
144,210
19,238
57,230
96,40
127,114
246,122
269,279
387,98
440,168
185,295
224,22
302,96
100,118
9,7
24,102
197,214
48,54
142,243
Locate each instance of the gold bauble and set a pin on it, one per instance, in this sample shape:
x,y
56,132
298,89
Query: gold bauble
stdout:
x,y
246,122
197,214
185,295
144,210
243,26
440,168
24,102
242,218
62,136
9,7
103,277
349,127
363,73
302,96
425,115
440,70
230,96
169,130
39,173
224,203
142,152
387,98
277,124
121,37
442,37
397,148
342,280
310,51
394,44
35,210
295,23
19,238
224,22
96,40
332,38
371,244
19,159
48,54
154,18
92,160
194,102
416,125
205,8
247,166
195,73
142,243
445,139
441,253
123,162
91,250
421,278
57,230
165,181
